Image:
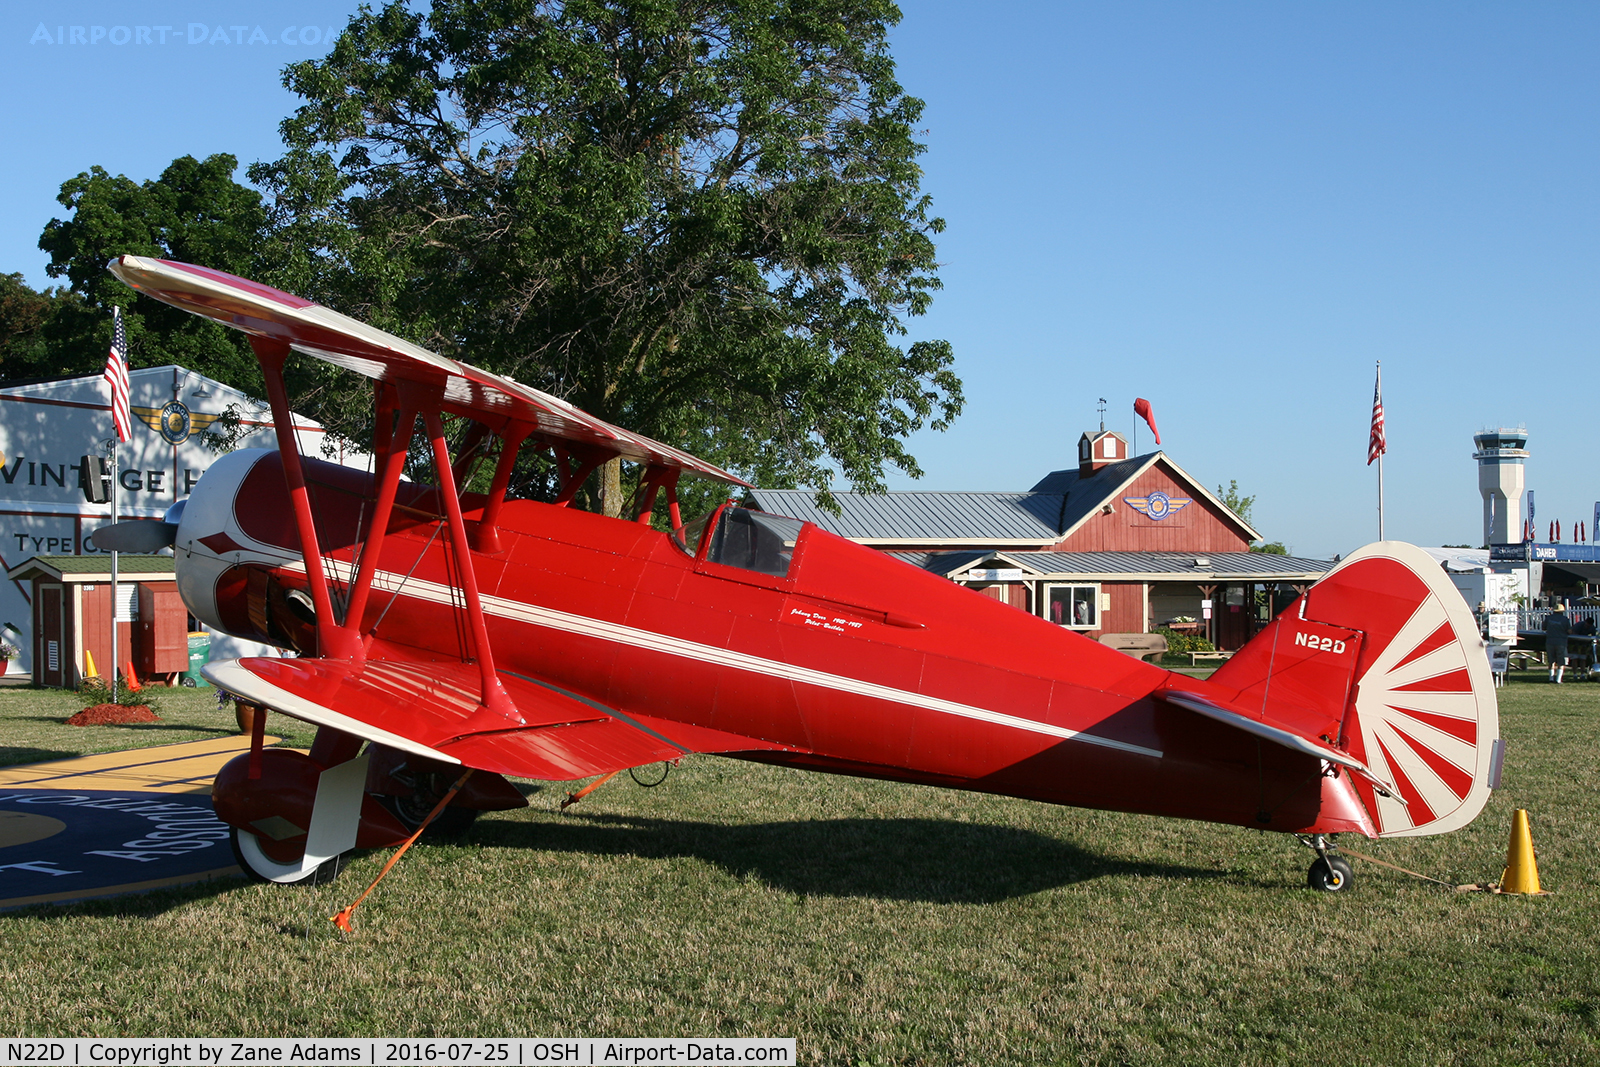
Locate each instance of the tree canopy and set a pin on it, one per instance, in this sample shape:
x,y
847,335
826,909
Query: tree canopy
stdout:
x,y
700,219
25,316
194,212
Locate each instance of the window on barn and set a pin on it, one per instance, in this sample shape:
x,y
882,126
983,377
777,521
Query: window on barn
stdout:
x,y
1076,607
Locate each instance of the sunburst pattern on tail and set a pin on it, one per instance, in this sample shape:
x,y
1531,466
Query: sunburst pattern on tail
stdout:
x,y
1425,716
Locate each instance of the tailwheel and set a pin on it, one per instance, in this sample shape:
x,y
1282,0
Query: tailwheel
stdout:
x,y
1330,874
252,854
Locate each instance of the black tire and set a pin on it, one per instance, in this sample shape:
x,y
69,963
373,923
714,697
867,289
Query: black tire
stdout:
x,y
410,811
1331,874
258,867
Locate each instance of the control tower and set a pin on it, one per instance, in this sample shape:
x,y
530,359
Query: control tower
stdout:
x,y
1501,455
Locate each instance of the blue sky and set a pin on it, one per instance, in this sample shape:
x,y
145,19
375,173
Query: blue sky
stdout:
x,y
1233,210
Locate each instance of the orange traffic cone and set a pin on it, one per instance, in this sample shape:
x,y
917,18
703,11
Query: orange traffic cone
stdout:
x,y
1522,871
132,679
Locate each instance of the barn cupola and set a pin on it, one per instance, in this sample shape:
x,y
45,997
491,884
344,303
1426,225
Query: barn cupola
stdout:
x,y
1097,449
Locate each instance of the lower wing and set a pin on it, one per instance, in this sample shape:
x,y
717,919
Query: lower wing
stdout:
x,y
424,707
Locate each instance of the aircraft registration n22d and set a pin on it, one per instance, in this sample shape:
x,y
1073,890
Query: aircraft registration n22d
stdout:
x,y
440,630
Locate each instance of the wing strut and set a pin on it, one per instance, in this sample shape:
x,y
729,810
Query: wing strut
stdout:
x,y
487,537
575,471
657,478
332,638
495,699
343,641
392,456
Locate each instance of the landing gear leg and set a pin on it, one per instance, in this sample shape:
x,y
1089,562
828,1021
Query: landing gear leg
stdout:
x,y
1331,872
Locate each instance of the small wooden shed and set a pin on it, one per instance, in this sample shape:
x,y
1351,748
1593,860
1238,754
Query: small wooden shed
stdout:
x,y
72,605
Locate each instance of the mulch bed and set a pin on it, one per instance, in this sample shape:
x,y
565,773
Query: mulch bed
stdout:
x,y
111,714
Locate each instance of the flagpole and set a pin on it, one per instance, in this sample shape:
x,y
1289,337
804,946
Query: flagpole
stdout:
x,y
1377,393
117,378
115,692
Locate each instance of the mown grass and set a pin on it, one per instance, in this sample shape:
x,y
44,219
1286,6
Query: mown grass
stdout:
x,y
875,923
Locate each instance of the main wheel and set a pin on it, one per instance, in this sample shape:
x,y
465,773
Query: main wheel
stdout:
x,y
259,867
410,811
1330,874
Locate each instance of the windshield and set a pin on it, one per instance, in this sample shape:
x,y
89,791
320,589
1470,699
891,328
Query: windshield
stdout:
x,y
750,540
689,534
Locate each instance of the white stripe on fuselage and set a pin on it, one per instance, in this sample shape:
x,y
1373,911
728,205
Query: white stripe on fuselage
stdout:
x,y
499,607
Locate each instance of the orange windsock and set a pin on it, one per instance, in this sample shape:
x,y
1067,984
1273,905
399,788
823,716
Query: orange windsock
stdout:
x,y
1141,408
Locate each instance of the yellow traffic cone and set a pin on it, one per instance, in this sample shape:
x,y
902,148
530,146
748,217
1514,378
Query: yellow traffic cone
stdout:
x,y
1522,871
91,672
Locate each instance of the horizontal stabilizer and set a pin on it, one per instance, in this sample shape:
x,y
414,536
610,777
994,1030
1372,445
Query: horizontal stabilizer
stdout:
x,y
432,710
1278,735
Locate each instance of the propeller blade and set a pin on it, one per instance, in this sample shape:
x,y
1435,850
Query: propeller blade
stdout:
x,y
135,535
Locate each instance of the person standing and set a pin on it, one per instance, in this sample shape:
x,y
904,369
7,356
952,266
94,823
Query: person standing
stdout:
x,y
1556,628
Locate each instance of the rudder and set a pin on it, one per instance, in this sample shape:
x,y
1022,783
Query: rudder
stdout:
x,y
1409,694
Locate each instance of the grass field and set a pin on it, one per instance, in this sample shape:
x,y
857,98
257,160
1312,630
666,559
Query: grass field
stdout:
x,y
875,923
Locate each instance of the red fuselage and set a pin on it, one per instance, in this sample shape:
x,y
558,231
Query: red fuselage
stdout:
x,y
856,662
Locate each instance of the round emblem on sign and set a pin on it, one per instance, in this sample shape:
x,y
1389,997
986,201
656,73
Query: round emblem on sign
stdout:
x,y
174,423
1160,504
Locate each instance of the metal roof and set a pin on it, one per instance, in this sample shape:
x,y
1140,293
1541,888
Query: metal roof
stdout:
x,y
1085,496
98,565
1460,560
919,515
1061,502
947,563
1148,566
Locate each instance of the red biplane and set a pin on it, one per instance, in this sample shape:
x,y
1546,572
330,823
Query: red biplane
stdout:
x,y
440,630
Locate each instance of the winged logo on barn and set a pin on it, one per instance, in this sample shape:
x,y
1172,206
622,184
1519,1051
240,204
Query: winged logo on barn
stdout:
x,y
1157,505
174,421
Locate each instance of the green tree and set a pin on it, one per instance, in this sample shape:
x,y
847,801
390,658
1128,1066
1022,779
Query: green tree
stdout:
x,y
700,219
25,316
1241,506
195,212
1236,501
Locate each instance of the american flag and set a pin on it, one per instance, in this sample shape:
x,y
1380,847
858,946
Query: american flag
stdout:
x,y
1376,445
117,377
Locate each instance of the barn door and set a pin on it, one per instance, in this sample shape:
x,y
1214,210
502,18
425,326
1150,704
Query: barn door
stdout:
x,y
52,651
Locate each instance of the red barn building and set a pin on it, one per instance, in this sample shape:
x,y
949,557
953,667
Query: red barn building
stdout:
x,y
1118,544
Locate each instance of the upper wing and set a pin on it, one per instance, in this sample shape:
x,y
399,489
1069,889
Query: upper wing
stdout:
x,y
310,328
424,707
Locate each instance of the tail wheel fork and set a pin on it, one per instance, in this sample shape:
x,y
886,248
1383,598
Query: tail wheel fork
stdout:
x,y
1331,872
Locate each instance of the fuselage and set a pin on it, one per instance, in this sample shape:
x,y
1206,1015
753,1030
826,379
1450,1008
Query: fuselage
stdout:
x,y
851,660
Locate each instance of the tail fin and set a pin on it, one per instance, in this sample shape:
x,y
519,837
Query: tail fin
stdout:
x,y
1383,661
